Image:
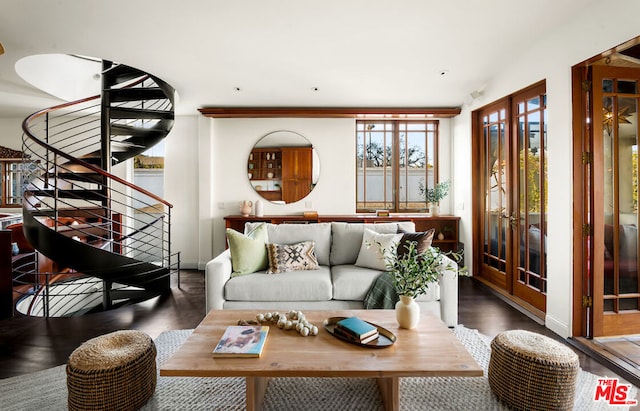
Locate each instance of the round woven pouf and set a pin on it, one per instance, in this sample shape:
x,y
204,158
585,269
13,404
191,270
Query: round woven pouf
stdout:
x,y
115,371
529,371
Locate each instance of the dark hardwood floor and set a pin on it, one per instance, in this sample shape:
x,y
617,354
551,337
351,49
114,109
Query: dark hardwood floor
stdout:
x,y
32,344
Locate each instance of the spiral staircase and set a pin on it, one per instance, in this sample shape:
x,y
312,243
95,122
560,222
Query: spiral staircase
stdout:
x,y
110,240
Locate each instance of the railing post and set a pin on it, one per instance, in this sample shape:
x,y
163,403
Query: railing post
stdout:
x,y
45,302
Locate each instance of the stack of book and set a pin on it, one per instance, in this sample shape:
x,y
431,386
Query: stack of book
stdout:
x,y
356,330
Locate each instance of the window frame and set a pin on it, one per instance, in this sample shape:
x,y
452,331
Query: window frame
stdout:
x,y
5,172
399,126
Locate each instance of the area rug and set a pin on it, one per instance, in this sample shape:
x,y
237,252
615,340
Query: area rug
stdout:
x,y
46,390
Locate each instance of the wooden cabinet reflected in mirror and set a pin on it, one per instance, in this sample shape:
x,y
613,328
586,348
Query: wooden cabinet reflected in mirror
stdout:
x,y
283,167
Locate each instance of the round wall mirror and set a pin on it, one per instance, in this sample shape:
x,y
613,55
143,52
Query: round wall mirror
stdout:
x,y
283,167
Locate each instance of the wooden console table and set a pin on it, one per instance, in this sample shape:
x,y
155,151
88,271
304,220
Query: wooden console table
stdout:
x,y
446,224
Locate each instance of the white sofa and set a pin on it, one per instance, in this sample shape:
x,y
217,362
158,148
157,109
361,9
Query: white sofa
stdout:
x,y
337,284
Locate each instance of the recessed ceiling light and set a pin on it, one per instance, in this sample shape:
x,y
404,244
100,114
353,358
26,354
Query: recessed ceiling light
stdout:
x,y
237,89
315,89
444,72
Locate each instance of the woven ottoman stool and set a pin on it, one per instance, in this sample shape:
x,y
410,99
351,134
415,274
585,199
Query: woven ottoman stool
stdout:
x,y
115,371
529,371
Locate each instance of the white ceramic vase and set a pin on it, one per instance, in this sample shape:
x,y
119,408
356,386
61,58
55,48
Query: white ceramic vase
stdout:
x,y
434,209
407,312
259,208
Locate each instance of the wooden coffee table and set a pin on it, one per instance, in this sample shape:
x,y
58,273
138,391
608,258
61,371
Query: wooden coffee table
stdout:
x,y
429,350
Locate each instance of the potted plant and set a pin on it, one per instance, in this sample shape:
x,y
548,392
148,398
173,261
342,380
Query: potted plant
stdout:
x,y
412,274
433,195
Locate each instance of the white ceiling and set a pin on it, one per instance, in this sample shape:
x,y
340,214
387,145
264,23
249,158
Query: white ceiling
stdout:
x,y
358,53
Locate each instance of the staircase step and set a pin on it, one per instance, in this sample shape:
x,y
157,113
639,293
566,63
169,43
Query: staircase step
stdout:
x,y
136,94
86,177
139,113
84,230
126,144
122,73
80,194
122,130
80,212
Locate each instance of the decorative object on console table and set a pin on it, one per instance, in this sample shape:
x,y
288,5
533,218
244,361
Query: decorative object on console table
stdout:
x,y
259,208
245,208
242,341
433,195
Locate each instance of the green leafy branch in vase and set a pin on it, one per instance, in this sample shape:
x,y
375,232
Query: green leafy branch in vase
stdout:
x,y
413,272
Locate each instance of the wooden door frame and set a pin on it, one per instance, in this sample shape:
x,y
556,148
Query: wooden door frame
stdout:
x,y
478,196
582,200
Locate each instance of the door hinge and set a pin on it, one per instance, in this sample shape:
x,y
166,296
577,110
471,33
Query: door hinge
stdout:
x,y
587,301
586,157
587,230
586,85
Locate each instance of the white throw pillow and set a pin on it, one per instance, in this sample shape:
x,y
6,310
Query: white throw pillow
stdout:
x,y
370,255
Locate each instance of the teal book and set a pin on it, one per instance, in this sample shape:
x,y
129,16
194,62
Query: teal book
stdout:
x,y
242,341
357,327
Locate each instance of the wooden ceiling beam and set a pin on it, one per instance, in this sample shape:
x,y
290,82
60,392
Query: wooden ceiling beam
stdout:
x,y
330,112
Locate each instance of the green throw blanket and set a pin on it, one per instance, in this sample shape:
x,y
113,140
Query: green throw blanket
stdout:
x,y
382,294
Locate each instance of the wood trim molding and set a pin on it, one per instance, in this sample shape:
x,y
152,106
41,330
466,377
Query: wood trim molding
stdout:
x,y
330,112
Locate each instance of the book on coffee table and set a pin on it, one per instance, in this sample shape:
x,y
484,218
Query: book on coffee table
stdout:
x,y
242,341
356,327
352,338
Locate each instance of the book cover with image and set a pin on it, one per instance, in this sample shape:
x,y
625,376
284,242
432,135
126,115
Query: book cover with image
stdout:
x,y
242,341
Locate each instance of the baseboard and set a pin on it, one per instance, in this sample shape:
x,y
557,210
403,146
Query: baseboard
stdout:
x,y
558,327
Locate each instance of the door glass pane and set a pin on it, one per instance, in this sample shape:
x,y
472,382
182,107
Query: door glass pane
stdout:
x,y
620,139
627,197
495,195
608,195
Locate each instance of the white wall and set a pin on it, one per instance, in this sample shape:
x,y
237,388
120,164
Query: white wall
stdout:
x,y
232,141
593,31
182,183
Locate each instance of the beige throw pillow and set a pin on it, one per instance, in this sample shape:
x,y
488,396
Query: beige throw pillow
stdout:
x,y
292,257
370,255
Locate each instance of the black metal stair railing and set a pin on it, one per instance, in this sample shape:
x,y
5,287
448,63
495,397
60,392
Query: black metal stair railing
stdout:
x,y
102,231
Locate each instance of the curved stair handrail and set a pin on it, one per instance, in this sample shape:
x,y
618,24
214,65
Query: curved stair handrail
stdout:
x,y
80,214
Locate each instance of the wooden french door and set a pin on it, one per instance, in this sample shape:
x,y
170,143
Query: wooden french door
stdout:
x,y
510,195
616,105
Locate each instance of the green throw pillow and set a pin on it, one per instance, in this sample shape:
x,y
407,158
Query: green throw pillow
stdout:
x,y
248,252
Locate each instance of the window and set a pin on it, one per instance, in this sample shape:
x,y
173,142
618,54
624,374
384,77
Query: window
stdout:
x,y
11,176
394,159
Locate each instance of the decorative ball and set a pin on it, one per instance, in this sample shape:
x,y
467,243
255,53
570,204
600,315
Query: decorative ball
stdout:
x,y
304,331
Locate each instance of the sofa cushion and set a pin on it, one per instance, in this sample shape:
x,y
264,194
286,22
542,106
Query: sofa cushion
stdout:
x,y
320,233
248,252
422,238
374,246
291,257
347,238
289,286
351,282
